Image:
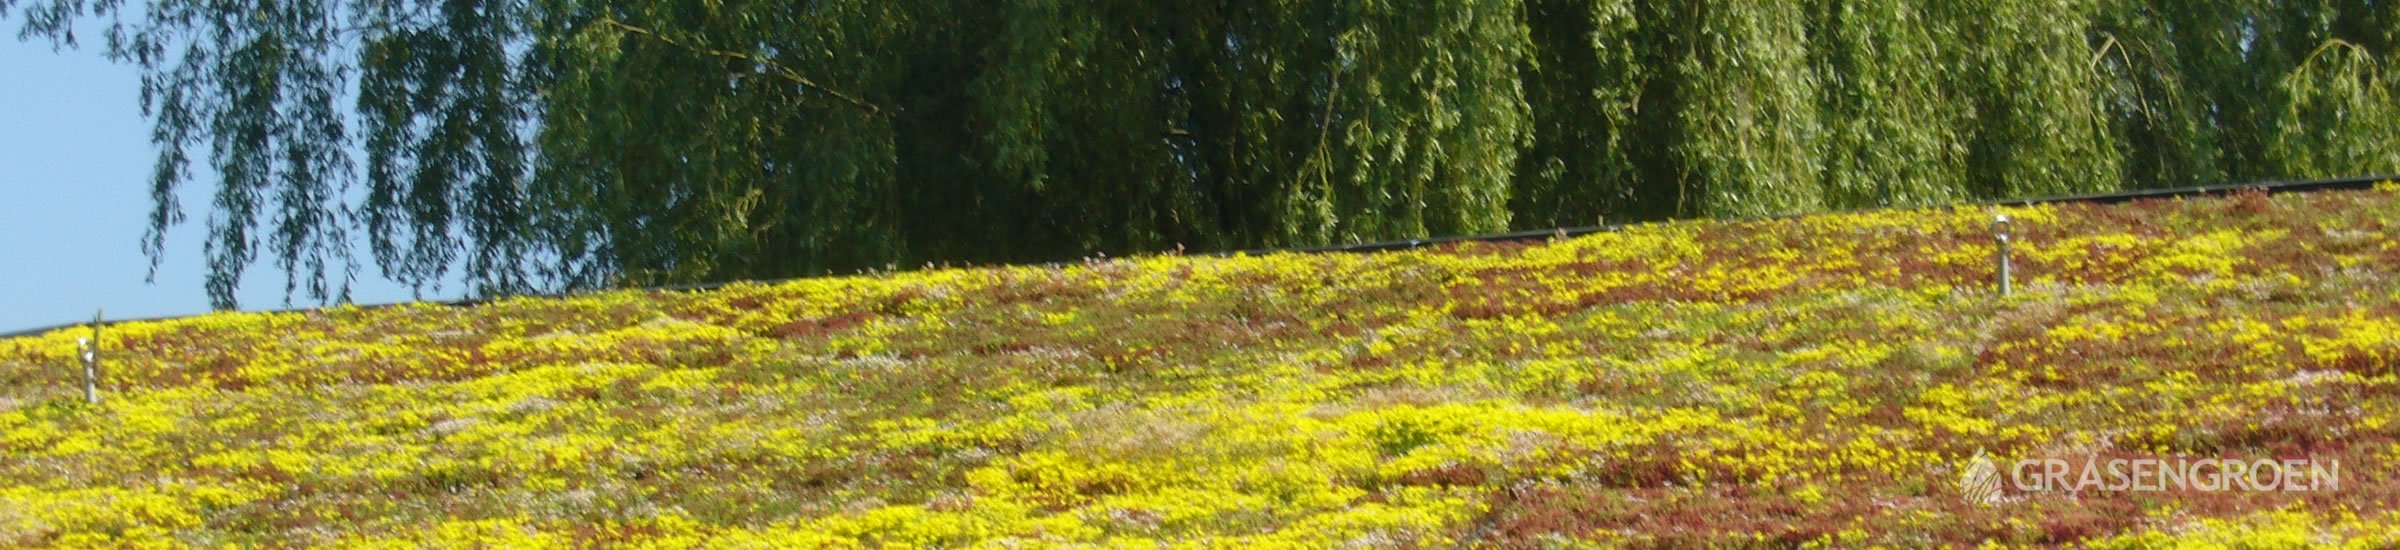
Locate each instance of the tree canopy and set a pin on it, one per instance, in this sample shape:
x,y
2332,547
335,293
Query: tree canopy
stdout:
x,y
558,144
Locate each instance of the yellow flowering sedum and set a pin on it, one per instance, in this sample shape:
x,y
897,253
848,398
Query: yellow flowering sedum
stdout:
x,y
1807,381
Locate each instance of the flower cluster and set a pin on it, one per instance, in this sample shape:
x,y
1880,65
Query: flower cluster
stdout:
x,y
1813,380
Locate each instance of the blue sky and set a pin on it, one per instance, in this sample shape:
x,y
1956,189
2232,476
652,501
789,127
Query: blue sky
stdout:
x,y
74,160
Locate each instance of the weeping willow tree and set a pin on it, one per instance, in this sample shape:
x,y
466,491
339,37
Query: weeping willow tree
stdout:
x,y
1647,111
1744,131
1894,135
2335,106
559,144
1583,87
2176,87
442,106
255,92
2338,118
683,143
2040,123
1426,115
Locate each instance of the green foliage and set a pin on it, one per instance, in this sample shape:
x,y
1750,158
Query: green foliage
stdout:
x,y
1427,114
1583,88
561,144
1894,135
2040,126
1745,134
2339,118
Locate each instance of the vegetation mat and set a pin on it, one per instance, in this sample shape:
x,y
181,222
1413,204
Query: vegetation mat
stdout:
x,y
1826,379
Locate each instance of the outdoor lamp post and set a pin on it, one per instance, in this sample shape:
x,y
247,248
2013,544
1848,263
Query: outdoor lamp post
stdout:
x,y
2000,236
91,370
90,348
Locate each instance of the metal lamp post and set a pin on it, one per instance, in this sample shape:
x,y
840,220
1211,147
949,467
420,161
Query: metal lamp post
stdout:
x,y
91,362
2000,236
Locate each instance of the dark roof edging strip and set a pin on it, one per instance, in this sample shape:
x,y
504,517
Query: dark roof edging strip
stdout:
x,y
2270,187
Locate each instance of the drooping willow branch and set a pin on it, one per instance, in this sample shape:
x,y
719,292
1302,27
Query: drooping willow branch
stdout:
x,y
778,69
